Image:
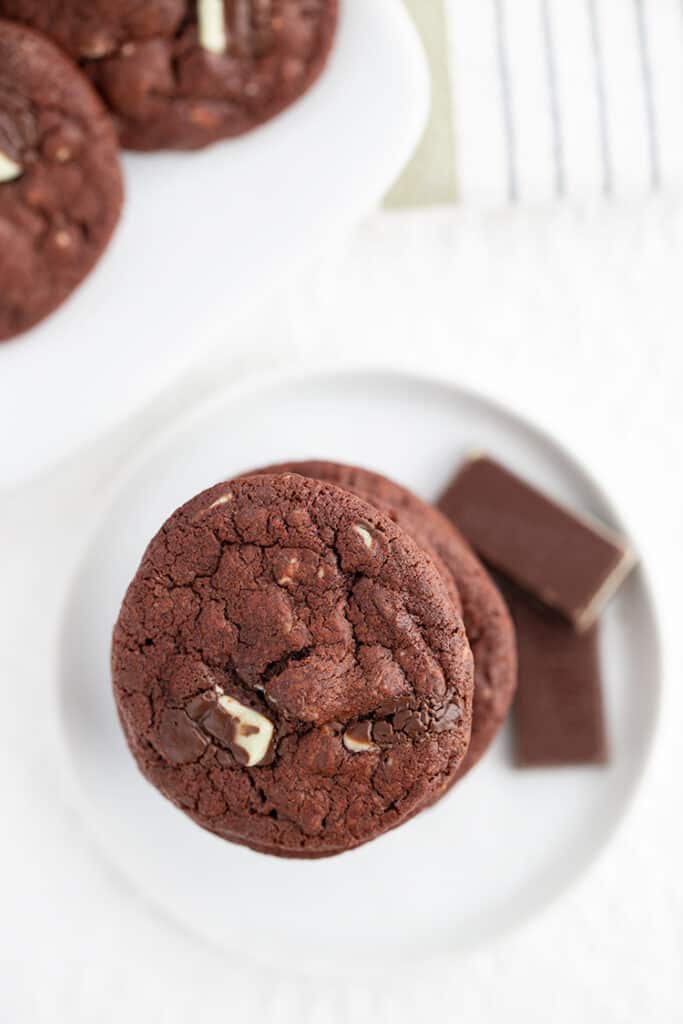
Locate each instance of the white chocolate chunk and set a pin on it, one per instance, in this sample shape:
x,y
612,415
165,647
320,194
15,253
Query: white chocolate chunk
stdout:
x,y
213,35
364,535
223,500
9,169
292,564
97,46
357,746
62,239
253,731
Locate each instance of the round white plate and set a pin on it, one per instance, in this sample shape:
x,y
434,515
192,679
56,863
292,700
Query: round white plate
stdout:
x,y
207,235
498,846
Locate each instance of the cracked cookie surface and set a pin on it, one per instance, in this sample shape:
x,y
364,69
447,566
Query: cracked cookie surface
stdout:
x,y
289,667
487,621
61,189
167,88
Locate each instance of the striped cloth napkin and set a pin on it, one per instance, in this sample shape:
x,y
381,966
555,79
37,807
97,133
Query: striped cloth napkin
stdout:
x,y
549,99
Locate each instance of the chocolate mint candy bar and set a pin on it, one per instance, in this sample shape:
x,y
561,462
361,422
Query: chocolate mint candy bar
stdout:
x,y
565,561
558,710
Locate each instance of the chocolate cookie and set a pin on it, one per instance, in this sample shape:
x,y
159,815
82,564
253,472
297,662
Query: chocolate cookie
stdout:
x,y
184,73
60,180
487,621
289,668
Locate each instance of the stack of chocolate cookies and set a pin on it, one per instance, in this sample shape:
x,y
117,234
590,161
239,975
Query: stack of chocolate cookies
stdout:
x,y
308,656
78,78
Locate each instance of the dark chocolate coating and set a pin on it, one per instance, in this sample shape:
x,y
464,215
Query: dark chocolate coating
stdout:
x,y
164,89
58,214
559,715
487,622
307,605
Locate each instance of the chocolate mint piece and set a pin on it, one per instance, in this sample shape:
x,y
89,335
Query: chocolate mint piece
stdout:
x,y
566,562
559,716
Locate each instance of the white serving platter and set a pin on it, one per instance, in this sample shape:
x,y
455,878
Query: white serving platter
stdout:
x,y
207,236
498,847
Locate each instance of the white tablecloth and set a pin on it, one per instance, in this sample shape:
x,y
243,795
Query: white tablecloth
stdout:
x,y
573,317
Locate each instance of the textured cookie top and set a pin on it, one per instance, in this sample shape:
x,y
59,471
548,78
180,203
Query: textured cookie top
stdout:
x,y
184,73
95,29
60,180
289,667
487,621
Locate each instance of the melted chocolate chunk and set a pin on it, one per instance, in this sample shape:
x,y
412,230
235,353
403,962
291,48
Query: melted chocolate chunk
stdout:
x,y
360,732
180,741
